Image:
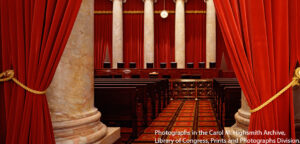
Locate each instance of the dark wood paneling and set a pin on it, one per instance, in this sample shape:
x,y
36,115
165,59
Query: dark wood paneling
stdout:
x,y
144,73
191,88
296,93
228,100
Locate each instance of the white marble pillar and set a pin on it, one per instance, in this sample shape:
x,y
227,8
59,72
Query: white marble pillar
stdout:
x,y
117,33
71,92
180,33
242,118
148,31
210,32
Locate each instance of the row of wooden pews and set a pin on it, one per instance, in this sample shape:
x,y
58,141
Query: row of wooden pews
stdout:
x,y
131,103
296,95
228,100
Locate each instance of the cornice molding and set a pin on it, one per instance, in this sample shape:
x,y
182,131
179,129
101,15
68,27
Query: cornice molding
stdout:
x,y
180,0
154,1
124,1
155,12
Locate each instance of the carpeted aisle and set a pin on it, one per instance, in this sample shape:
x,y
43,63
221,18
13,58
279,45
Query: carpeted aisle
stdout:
x,y
182,116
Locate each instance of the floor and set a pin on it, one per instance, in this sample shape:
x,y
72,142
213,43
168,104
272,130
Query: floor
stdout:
x,y
184,116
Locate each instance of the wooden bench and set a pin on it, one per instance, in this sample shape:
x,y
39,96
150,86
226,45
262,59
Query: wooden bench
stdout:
x,y
218,87
231,104
296,95
119,106
160,87
228,96
163,85
143,94
150,96
220,95
151,93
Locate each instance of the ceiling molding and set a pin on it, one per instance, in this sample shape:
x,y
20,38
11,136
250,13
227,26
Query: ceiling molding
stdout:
x,y
178,0
155,12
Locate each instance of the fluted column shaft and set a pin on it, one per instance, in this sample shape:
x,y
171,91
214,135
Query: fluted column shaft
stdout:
x,y
148,32
117,39
71,92
180,34
210,32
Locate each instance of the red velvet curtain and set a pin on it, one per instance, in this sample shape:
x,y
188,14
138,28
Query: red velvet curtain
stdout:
x,y
164,34
222,54
133,33
33,36
257,39
195,32
102,33
294,22
294,37
2,104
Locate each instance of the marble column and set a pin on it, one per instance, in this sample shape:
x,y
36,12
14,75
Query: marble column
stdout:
x,y
117,33
148,32
210,32
71,93
180,34
242,118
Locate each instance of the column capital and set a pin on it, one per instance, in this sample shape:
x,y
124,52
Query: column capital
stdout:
x,y
124,1
154,1
180,0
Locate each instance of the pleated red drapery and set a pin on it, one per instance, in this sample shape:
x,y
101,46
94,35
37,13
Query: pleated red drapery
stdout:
x,y
164,34
2,106
294,35
195,32
257,39
221,52
133,33
294,22
33,36
102,33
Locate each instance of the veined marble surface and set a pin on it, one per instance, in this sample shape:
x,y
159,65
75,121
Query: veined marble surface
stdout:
x,y
210,32
148,32
180,34
71,93
117,39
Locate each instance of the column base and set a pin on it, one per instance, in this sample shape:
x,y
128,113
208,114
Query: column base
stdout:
x,y
113,134
237,133
233,135
80,131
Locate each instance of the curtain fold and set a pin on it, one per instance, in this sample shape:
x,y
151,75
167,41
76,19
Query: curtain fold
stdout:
x,y
164,37
222,54
256,34
294,35
294,23
2,104
195,32
33,36
133,39
133,35
102,33
220,46
164,34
